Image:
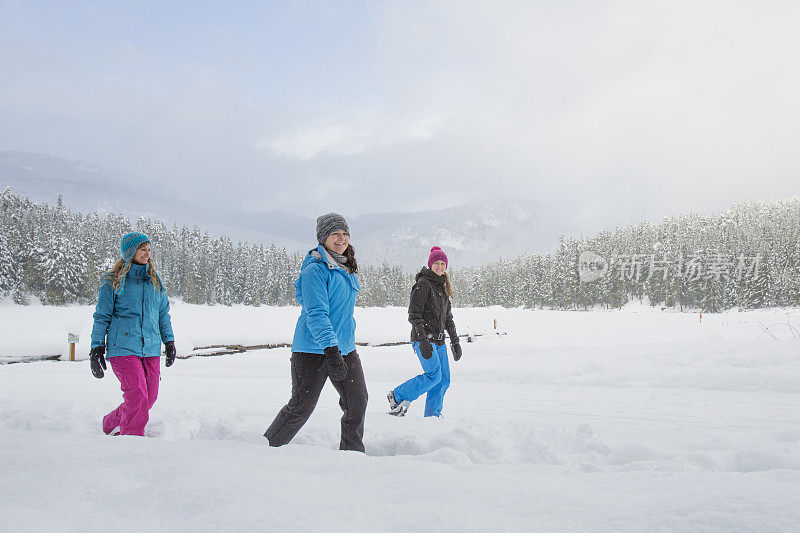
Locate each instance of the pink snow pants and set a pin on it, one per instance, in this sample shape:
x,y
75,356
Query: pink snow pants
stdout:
x,y
138,377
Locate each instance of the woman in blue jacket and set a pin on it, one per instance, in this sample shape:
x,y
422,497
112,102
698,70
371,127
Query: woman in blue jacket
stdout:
x,y
327,290
131,321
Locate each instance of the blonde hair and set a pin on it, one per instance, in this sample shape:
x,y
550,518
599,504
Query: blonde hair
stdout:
x,y
448,287
120,269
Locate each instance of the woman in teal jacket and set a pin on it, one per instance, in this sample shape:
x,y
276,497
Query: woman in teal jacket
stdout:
x,y
327,290
131,320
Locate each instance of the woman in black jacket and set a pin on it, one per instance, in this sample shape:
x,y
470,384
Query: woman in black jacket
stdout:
x,y
430,316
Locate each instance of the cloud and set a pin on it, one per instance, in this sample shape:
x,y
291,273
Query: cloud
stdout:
x,y
612,110
348,137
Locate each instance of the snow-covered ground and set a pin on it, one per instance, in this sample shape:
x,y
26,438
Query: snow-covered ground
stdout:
x,y
634,420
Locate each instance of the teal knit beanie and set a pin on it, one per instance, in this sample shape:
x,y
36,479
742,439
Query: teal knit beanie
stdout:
x,y
130,243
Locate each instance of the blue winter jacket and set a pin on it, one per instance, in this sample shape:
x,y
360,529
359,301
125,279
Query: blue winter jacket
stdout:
x,y
134,322
328,296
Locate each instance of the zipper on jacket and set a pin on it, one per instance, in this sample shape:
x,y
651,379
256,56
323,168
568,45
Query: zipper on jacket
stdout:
x,y
141,327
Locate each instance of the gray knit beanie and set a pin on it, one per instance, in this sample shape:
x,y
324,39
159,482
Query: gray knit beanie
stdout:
x,y
327,224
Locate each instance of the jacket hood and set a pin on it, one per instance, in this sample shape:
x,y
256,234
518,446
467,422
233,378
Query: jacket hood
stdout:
x,y
319,255
430,275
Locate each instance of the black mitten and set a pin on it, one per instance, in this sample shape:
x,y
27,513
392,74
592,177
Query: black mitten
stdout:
x,y
169,350
334,362
97,362
456,350
425,348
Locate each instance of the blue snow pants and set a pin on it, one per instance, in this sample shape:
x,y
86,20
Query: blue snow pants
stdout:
x,y
434,381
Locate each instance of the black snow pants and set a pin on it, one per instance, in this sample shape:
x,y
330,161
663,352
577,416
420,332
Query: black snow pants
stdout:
x,y
309,375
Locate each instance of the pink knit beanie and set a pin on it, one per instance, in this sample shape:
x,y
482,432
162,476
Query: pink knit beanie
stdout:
x,y
436,255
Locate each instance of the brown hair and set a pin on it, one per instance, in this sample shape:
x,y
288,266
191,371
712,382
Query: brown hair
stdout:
x,y
350,254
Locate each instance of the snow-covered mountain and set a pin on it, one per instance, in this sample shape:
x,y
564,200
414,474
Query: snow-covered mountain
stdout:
x,y
470,234
87,187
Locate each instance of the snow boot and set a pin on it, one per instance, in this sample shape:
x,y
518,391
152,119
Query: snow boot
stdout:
x,y
397,408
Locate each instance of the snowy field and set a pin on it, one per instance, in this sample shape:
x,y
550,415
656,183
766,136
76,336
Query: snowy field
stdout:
x,y
635,420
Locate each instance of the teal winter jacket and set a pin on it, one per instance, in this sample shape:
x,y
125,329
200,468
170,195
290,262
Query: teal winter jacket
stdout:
x,y
328,296
135,322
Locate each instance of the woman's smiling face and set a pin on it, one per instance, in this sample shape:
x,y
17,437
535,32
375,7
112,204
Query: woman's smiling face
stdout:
x,y
142,254
439,267
337,241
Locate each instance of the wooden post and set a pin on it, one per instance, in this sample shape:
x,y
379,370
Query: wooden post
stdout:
x,y
495,324
72,338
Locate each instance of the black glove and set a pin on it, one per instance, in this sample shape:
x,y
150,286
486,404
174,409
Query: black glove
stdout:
x,y
97,362
334,361
425,348
169,349
456,350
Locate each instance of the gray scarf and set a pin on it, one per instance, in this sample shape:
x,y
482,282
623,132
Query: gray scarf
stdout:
x,y
339,259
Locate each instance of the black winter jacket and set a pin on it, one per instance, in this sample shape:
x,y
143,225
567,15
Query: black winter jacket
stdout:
x,y
429,310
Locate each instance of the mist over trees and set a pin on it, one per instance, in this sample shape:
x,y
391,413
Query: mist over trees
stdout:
x,y
746,257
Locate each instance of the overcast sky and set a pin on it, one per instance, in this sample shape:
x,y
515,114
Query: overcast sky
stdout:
x,y
614,111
